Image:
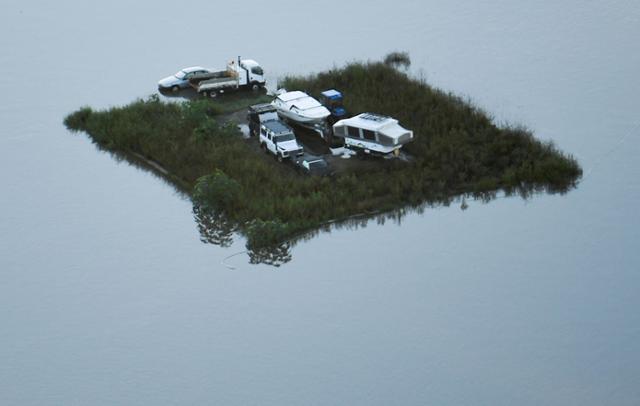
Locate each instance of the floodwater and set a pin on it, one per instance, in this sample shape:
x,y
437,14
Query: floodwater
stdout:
x,y
109,297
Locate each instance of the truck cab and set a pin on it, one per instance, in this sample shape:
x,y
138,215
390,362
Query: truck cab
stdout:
x,y
278,139
258,114
250,73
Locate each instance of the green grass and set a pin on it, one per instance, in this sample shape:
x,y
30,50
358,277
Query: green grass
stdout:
x,y
237,101
457,151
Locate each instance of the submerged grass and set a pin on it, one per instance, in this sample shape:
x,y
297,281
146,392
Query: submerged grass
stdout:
x,y
457,150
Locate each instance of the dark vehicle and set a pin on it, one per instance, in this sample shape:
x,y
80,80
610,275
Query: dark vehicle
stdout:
x,y
258,114
313,165
333,101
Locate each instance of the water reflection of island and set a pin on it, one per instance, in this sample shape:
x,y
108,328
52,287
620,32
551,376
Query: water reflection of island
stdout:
x,y
216,229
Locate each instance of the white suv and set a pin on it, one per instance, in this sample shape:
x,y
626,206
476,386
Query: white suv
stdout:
x,y
277,138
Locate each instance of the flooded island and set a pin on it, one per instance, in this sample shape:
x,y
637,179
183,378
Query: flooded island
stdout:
x,y
271,197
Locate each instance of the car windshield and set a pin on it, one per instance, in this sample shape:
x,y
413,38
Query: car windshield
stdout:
x,y
180,75
319,164
284,137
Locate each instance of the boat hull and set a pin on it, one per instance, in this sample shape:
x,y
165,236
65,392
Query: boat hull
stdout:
x,y
288,115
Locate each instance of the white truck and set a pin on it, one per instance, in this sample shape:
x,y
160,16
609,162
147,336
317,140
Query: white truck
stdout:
x,y
278,139
240,73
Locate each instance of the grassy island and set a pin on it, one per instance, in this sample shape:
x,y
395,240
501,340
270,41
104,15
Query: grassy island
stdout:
x,y
457,150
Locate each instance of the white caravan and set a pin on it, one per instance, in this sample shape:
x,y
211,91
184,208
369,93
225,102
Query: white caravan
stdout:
x,y
373,133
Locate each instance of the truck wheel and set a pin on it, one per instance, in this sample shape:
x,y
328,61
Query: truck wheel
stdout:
x,y
255,87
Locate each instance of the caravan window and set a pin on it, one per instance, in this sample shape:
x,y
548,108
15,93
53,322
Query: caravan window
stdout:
x,y
340,131
385,140
353,132
369,135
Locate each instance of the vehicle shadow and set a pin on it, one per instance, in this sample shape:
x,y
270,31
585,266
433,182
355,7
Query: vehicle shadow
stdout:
x,y
190,93
187,94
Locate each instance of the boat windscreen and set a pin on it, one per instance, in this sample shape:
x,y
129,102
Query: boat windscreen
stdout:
x,y
307,103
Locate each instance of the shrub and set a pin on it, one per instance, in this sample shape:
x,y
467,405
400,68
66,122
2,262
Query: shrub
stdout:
x,y
217,191
77,121
267,233
196,111
206,129
397,59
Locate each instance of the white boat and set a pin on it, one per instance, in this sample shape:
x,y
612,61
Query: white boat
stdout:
x,y
299,107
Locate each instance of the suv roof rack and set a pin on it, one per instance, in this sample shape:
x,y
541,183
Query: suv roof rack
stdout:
x,y
277,126
261,108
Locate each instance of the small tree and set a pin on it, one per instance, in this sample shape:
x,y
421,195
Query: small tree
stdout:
x,y
398,59
217,191
268,233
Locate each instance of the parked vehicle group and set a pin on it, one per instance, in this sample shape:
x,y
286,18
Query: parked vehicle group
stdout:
x,y
271,123
240,73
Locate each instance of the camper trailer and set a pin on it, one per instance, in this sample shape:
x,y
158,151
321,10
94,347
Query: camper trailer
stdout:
x,y
373,134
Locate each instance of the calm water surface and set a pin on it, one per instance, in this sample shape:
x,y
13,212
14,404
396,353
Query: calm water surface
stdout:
x,y
108,297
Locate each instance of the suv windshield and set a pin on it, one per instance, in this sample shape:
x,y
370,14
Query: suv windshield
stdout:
x,y
284,137
271,115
